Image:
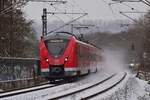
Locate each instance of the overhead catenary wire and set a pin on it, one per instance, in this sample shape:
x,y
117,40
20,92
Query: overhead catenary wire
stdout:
x,y
137,11
74,4
125,14
147,1
141,25
111,9
71,17
49,1
143,1
132,8
64,14
60,11
67,23
79,23
109,4
148,4
59,18
78,6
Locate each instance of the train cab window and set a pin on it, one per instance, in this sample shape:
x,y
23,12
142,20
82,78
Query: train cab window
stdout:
x,y
56,47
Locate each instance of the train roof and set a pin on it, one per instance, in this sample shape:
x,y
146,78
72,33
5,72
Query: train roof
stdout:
x,y
64,35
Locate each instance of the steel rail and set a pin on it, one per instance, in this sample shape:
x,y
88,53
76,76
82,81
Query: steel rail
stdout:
x,y
105,90
18,92
80,90
23,88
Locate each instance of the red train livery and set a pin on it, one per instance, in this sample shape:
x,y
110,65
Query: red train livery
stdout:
x,y
62,55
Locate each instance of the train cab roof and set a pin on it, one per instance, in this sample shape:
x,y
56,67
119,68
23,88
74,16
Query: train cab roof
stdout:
x,y
63,35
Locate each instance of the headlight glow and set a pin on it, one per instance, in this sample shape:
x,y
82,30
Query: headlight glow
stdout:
x,y
66,59
132,64
47,60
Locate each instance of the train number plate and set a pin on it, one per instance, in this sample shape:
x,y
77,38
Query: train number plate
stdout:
x,y
56,41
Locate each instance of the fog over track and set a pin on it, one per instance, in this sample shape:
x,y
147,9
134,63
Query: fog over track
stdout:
x,y
114,59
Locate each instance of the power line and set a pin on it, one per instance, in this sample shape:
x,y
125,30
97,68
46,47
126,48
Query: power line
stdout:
x,y
145,2
122,13
111,9
49,1
121,1
134,12
59,18
53,13
68,23
65,13
60,11
78,6
129,7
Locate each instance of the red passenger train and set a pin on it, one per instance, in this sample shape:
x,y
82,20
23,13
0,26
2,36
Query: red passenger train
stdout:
x,y
63,55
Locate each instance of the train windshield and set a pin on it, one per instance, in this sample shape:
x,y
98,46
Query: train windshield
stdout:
x,y
56,47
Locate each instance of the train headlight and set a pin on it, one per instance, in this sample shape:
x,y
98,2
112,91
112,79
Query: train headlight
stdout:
x,y
132,64
47,60
66,59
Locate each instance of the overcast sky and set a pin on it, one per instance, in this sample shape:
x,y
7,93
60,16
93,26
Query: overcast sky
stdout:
x,y
96,9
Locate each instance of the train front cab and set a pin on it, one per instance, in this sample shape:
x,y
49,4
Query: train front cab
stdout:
x,y
56,67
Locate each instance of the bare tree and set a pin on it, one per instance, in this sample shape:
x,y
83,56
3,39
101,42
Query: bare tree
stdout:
x,y
17,38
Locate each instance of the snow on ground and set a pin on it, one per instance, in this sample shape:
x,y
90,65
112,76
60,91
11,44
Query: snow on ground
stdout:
x,y
113,62
94,77
95,89
132,89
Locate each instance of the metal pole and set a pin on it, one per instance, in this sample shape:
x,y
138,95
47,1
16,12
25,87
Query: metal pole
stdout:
x,y
11,30
44,20
71,28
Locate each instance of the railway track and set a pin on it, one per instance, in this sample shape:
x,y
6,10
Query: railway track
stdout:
x,y
82,93
104,90
26,87
27,90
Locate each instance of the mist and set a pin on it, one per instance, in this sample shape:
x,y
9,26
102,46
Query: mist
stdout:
x,y
114,60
